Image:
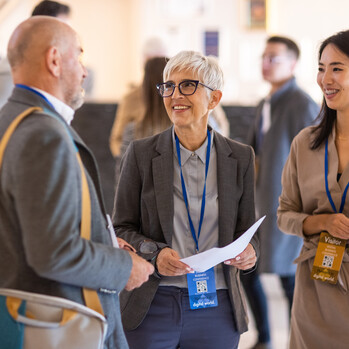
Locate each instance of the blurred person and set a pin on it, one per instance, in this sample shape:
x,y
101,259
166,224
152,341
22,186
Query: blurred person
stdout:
x,y
131,107
40,182
313,200
52,9
219,121
47,8
63,12
155,119
168,209
280,116
6,83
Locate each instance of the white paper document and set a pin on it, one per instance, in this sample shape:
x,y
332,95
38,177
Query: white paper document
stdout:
x,y
112,232
205,260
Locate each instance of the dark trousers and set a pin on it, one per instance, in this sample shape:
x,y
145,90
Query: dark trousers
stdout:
x,y
258,301
170,323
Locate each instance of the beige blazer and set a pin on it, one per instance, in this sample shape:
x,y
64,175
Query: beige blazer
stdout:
x,y
320,311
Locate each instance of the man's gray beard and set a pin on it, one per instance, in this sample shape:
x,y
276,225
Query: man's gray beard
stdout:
x,y
78,101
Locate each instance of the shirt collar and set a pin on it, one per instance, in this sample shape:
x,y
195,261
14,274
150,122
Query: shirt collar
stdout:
x,y
61,108
186,153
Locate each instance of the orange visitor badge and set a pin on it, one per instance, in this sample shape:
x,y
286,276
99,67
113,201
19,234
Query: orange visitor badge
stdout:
x,y
328,258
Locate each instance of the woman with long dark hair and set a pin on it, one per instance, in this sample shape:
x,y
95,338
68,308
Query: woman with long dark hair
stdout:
x,y
313,205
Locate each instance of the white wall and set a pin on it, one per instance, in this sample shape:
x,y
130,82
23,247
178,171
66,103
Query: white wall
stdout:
x,y
113,33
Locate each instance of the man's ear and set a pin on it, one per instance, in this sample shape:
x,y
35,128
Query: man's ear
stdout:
x,y
53,61
214,99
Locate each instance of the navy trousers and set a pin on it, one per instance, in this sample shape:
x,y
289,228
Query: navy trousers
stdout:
x,y
171,324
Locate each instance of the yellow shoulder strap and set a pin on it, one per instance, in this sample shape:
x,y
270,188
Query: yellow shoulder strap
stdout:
x,y
90,296
7,135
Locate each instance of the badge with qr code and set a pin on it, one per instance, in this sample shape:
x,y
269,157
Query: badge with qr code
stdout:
x,y
202,290
328,258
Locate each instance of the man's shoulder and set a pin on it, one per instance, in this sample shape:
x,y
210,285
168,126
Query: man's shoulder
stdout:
x,y
295,102
297,93
39,124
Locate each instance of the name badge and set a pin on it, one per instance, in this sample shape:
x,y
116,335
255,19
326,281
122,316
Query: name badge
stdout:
x,y
202,290
328,258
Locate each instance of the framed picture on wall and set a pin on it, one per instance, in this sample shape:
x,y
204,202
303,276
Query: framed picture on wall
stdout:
x,y
257,14
211,43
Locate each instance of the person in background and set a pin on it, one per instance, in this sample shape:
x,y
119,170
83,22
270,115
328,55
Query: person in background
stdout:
x,y
48,8
40,182
155,119
280,116
63,12
6,83
168,209
314,200
53,9
131,107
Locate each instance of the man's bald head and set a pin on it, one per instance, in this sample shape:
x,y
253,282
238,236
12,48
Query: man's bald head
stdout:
x,y
45,53
33,37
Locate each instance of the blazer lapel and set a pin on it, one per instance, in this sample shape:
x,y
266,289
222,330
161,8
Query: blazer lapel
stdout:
x,y
226,181
162,167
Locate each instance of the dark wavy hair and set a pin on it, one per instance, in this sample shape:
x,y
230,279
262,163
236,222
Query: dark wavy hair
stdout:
x,y
327,116
155,117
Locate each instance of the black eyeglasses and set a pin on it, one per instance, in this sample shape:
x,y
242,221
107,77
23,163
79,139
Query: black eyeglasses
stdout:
x,y
186,88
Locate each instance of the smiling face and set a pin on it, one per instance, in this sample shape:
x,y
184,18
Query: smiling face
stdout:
x,y
189,113
333,78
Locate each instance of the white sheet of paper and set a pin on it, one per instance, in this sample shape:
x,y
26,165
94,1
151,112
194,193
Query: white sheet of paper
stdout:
x,y
112,232
205,260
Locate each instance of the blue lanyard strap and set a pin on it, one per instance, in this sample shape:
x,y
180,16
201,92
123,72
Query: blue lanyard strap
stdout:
x,y
326,184
36,92
185,196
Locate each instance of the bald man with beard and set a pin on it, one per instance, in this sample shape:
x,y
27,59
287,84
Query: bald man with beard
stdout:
x,y
41,248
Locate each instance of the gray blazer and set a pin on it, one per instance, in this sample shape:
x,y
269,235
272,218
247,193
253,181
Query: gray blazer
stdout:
x,y
40,211
291,110
144,209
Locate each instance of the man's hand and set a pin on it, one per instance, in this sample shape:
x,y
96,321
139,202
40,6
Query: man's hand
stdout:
x,y
168,263
245,260
141,269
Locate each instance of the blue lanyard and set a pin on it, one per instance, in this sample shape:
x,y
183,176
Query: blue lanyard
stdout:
x,y
36,92
185,196
326,184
